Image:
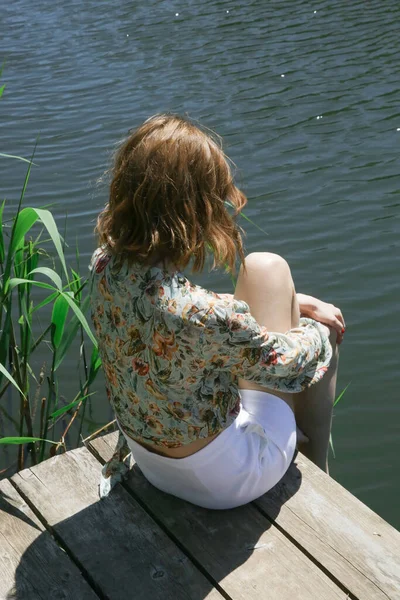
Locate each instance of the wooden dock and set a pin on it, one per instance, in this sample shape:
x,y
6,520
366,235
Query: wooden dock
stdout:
x,y
307,539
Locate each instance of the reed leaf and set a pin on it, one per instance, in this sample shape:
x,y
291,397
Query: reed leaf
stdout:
x,y
341,394
26,160
70,334
95,365
58,318
18,281
68,407
331,445
48,221
51,274
25,316
253,223
334,404
227,203
14,281
24,221
75,284
6,374
33,257
23,440
6,324
44,302
2,250
81,317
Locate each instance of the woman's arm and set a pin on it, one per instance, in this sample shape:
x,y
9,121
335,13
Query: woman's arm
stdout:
x,y
323,312
232,340
320,311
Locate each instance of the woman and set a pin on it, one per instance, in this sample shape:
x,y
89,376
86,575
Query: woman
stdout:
x,y
206,387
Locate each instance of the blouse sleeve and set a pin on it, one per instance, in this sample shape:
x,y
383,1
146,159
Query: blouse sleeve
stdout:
x,y
289,362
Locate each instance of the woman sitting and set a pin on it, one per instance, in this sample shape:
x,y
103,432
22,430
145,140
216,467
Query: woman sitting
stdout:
x,y
206,387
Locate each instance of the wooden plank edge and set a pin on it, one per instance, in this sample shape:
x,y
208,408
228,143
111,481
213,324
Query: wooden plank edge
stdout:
x,y
38,546
161,525
362,582
58,540
359,589
91,446
309,555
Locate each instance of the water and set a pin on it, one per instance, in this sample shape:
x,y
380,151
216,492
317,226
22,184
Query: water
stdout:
x,y
326,190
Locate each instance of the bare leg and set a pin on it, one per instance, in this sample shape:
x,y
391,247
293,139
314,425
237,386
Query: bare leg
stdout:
x,y
313,411
268,289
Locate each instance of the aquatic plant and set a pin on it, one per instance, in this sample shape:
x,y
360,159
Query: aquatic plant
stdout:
x,y
24,263
342,393
25,271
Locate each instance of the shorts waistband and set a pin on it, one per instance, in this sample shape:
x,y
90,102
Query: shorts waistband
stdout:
x,y
253,400
201,457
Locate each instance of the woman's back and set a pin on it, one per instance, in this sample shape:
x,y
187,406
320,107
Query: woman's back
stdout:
x,y
172,352
163,384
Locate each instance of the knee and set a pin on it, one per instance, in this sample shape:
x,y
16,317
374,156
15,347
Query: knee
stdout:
x,y
266,284
266,265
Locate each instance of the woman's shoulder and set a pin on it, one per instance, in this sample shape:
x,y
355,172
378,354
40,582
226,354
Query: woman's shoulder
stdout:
x,y
218,305
100,259
118,265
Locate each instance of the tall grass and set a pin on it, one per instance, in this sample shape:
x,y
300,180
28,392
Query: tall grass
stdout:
x,y
24,265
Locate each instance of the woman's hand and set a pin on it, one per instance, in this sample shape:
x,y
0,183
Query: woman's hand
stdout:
x,y
329,314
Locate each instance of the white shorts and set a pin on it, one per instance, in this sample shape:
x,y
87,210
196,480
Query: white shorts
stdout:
x,y
242,463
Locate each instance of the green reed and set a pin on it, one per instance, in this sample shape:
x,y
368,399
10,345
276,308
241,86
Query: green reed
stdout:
x,y
23,265
342,393
63,301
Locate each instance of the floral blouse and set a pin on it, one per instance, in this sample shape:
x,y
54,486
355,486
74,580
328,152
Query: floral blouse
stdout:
x,y
172,353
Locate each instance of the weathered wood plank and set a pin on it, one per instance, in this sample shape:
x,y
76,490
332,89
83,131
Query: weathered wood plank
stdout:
x,y
120,547
249,557
344,535
32,565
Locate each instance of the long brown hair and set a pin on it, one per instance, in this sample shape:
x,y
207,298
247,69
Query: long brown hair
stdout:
x,y
170,184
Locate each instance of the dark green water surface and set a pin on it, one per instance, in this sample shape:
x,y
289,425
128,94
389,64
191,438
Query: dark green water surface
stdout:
x,y
307,98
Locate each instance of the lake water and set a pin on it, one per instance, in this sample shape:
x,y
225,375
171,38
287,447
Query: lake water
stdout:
x,y
307,98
